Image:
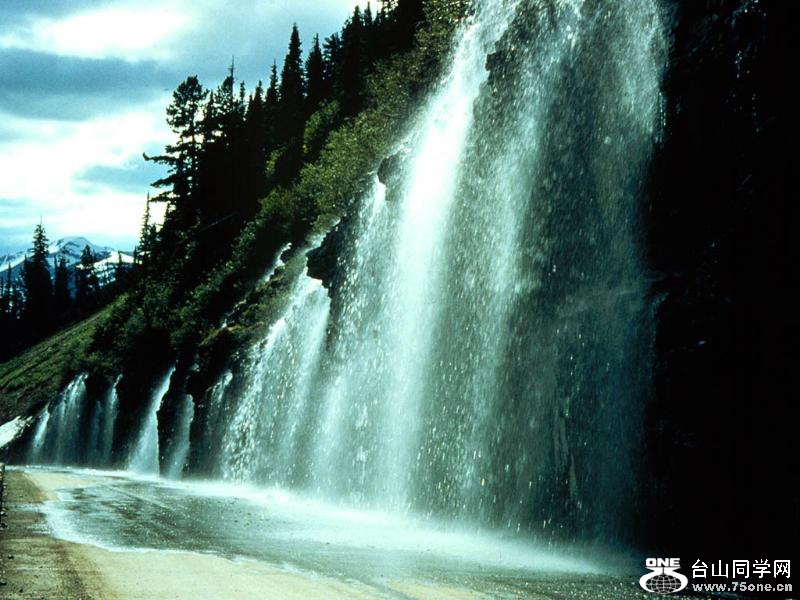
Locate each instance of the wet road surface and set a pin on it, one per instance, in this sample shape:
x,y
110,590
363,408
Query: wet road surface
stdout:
x,y
380,554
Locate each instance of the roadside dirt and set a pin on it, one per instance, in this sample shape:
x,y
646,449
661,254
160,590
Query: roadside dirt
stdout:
x,y
35,565
32,564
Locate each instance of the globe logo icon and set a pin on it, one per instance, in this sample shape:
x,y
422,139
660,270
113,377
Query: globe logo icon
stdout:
x,y
663,584
663,577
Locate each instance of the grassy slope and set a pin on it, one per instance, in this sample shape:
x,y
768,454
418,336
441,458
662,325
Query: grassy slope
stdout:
x,y
36,376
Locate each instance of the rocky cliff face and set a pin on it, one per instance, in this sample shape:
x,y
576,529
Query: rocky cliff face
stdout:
x,y
720,444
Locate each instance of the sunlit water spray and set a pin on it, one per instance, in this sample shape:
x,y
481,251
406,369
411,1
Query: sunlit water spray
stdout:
x,y
487,358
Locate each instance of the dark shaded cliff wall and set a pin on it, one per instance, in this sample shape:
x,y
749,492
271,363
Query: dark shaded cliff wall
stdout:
x,y
722,228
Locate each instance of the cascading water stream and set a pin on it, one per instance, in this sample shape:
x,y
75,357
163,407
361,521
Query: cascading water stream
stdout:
x,y
145,456
39,435
182,441
278,390
56,436
377,385
101,433
74,429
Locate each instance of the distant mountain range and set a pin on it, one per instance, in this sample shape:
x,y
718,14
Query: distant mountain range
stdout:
x,y
70,248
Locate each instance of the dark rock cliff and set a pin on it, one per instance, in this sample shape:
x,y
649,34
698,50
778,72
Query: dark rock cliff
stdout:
x,y
722,443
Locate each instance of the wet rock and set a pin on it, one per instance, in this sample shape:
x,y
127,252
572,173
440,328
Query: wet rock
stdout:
x,y
389,171
322,261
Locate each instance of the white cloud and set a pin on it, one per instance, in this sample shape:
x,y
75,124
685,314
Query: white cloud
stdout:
x,y
175,29
119,31
42,160
44,168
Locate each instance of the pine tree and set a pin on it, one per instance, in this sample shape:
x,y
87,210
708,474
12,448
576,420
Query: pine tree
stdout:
x,y
229,111
223,165
38,286
256,149
147,236
271,99
87,284
291,114
271,110
353,64
121,272
61,296
255,118
182,157
407,15
368,20
315,77
371,40
332,57
291,91
209,124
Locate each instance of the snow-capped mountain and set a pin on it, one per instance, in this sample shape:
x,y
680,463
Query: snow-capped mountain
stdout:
x,y
70,248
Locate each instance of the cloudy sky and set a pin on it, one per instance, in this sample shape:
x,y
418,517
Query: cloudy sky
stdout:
x,y
83,87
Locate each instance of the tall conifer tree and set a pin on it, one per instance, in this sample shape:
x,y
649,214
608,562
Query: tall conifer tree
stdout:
x,y
38,285
353,63
315,77
291,91
61,297
182,157
87,285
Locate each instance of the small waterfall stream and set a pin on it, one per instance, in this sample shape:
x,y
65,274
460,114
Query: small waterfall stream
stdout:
x,y
57,430
182,442
144,456
259,439
101,435
74,429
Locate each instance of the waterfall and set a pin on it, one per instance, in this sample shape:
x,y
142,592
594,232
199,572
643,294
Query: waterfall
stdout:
x,y
101,434
145,456
77,429
73,429
377,386
180,452
488,359
110,409
57,432
39,435
482,354
261,438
